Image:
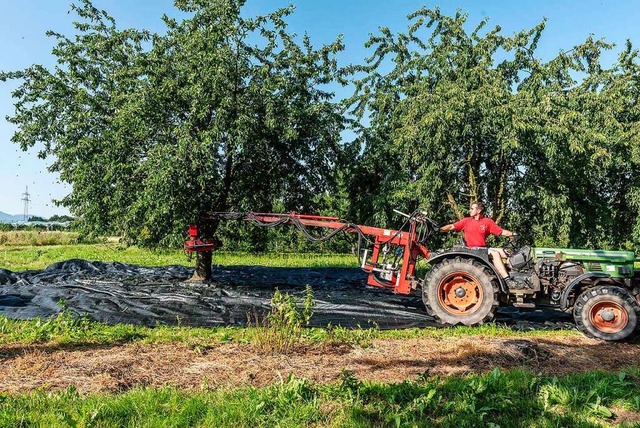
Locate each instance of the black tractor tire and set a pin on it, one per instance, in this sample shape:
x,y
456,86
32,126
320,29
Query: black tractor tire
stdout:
x,y
460,291
607,313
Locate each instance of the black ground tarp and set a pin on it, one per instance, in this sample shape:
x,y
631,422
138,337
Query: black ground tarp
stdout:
x,y
121,293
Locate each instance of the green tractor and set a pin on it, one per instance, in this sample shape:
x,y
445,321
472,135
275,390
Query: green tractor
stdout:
x,y
599,287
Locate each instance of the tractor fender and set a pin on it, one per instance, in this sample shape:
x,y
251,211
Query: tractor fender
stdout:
x,y
470,254
577,280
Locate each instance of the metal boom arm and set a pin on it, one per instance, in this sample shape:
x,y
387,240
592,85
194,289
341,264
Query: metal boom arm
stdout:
x,y
399,276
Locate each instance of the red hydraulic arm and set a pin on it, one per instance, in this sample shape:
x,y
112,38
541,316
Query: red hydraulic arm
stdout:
x,y
406,245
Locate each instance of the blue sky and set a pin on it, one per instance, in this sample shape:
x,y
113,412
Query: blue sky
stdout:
x,y
23,42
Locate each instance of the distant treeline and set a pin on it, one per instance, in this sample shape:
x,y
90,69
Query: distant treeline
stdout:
x,y
53,219
55,222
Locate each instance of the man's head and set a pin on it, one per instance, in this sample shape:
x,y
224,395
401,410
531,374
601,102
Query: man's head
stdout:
x,y
476,209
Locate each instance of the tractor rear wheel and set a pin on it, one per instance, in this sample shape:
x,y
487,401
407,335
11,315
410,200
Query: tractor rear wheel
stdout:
x,y
606,313
460,291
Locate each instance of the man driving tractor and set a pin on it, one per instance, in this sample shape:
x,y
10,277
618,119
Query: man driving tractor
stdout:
x,y
476,228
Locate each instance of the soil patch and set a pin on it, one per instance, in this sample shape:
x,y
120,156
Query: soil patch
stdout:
x,y
121,367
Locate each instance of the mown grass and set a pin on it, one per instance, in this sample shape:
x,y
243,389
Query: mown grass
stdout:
x,y
497,399
67,328
19,258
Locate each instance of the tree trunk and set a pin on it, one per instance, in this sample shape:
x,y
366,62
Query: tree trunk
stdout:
x,y
203,266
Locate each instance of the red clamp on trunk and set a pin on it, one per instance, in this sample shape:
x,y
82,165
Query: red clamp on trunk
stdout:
x,y
195,244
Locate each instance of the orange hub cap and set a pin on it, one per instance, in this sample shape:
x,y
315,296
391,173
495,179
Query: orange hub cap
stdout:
x,y
460,293
608,317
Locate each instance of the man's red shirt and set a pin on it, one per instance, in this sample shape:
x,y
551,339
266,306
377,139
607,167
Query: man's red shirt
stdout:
x,y
476,231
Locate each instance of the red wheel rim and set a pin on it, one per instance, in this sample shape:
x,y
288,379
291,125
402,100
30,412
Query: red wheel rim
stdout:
x,y
608,317
460,293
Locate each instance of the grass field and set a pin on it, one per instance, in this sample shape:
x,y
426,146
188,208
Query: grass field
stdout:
x,y
42,237
498,398
26,250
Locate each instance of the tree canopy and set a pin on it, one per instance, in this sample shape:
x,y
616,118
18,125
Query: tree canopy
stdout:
x,y
222,112
550,146
226,112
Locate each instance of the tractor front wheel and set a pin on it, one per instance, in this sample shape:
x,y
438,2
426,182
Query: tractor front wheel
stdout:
x,y
460,291
607,313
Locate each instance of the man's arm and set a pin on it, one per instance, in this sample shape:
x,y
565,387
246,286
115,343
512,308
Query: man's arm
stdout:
x,y
455,227
508,233
496,230
448,228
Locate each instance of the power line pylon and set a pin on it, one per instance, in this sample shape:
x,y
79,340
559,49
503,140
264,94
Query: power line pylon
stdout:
x,y
26,200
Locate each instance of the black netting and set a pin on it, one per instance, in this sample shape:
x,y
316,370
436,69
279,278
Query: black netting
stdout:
x,y
122,293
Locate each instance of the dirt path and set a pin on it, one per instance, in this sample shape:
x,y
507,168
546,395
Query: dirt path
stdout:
x,y
121,367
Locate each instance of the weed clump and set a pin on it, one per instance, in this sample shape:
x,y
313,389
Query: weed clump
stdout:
x,y
282,329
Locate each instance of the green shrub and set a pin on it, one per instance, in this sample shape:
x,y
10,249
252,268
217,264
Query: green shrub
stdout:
x,y
282,328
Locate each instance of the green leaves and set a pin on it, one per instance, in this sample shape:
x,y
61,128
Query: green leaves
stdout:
x,y
457,115
220,113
